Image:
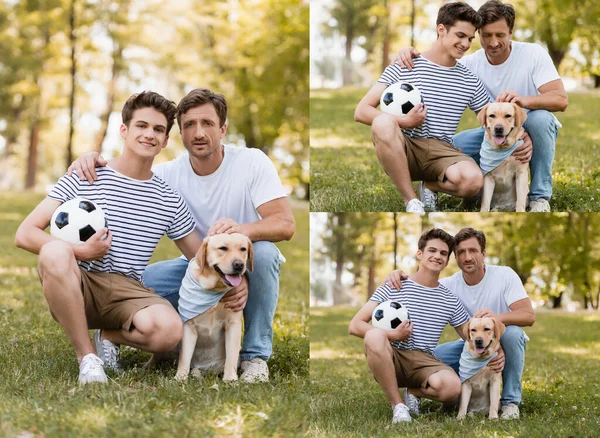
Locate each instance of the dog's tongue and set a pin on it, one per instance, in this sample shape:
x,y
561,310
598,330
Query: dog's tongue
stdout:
x,y
479,350
233,280
499,140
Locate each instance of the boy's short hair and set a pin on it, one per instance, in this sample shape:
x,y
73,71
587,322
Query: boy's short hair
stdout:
x,y
467,233
494,10
149,99
436,233
200,96
450,13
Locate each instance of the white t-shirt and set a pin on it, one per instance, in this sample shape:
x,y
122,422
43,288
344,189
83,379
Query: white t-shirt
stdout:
x,y
244,181
499,288
527,68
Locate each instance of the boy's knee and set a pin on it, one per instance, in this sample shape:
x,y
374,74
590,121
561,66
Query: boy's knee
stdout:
x,y
375,341
162,330
55,258
385,129
471,181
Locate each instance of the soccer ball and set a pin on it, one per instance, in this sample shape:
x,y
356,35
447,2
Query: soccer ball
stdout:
x,y
399,98
388,315
76,220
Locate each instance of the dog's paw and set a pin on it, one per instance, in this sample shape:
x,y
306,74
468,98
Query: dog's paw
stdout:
x,y
231,378
460,416
180,377
493,416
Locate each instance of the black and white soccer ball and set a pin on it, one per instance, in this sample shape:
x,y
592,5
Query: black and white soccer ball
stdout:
x,y
389,314
76,220
399,98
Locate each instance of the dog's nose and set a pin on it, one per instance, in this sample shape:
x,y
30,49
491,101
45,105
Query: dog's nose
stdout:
x,y
498,130
238,265
479,342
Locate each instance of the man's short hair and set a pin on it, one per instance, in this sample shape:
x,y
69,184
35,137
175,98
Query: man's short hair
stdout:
x,y
467,233
450,13
494,10
149,99
436,233
200,96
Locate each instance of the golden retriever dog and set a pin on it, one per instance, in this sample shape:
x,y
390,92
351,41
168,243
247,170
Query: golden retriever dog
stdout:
x,y
481,391
212,339
505,182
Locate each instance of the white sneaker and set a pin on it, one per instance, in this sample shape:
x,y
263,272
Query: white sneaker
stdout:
x,y
401,414
254,371
539,206
108,352
91,370
412,402
510,412
415,206
428,197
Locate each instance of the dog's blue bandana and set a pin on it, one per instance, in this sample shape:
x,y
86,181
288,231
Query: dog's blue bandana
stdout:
x,y
469,365
492,158
193,299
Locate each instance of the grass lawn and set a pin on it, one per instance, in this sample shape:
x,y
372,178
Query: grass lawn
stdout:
x,y
561,384
39,394
346,175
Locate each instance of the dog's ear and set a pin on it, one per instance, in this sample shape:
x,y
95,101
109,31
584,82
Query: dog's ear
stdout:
x,y
482,115
201,254
467,330
499,329
520,115
250,262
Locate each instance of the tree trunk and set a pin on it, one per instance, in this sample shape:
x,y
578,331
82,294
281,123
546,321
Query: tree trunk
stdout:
x,y
110,96
338,290
69,157
372,263
557,56
32,160
412,22
596,79
347,64
556,301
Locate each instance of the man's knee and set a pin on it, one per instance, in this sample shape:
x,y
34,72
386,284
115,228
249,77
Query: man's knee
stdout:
x,y
446,384
470,180
376,341
56,259
540,122
513,337
161,326
266,254
385,131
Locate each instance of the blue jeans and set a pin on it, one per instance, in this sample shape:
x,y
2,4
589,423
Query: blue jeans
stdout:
x,y
543,130
513,344
263,292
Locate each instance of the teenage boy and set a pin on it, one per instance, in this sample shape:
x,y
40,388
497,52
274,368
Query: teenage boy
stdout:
x,y
487,291
517,72
228,190
403,357
98,284
418,146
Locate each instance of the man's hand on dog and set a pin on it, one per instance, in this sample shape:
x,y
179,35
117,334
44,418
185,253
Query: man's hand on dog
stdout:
x,y
224,225
523,153
497,363
512,97
402,332
237,297
395,278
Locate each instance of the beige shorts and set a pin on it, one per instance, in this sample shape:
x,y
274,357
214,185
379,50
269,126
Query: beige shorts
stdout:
x,y
413,368
111,300
428,158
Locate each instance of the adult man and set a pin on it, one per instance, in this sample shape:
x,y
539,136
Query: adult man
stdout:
x,y
488,291
517,72
228,190
403,357
97,284
418,146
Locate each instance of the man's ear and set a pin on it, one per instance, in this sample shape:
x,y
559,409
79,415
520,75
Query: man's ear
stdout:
x,y
481,116
223,130
165,143
202,254
123,130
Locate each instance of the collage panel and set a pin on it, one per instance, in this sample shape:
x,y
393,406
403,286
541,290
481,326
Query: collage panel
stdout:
x,y
154,271
409,311
413,112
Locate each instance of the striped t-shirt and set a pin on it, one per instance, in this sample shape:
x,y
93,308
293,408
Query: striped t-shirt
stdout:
x,y
138,213
429,310
446,92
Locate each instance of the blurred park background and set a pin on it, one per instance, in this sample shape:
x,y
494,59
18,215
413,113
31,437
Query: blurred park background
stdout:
x,y
353,41
557,256
68,66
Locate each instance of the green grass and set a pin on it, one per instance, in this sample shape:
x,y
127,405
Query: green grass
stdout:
x,y
346,175
561,384
39,394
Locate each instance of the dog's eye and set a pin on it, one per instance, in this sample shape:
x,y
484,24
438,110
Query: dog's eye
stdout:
x,y
507,116
244,249
223,248
492,116
486,329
